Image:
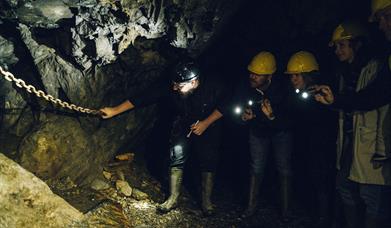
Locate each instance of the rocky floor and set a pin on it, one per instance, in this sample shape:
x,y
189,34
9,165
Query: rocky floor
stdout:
x,y
119,211
111,208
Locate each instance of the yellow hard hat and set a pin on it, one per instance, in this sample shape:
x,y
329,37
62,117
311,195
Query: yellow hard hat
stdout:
x,y
263,63
378,5
347,31
301,62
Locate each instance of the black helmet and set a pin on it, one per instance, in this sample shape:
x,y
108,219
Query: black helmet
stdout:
x,y
185,71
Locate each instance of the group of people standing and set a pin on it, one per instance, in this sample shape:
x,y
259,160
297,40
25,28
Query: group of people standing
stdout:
x,y
339,131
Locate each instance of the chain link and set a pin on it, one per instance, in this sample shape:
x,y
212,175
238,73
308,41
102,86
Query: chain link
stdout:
x,y
39,93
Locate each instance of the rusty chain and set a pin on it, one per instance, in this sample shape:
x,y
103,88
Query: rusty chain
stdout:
x,y
39,93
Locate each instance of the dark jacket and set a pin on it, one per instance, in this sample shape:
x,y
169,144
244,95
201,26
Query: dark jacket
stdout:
x,y
278,94
314,134
375,95
313,120
210,95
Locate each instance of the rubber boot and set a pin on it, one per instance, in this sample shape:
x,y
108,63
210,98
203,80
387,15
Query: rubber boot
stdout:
x,y
175,189
208,208
252,196
285,193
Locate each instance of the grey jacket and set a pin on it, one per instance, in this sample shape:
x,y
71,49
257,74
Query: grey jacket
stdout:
x,y
371,136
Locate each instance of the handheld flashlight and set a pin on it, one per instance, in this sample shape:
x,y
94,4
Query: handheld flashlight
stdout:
x,y
305,95
238,110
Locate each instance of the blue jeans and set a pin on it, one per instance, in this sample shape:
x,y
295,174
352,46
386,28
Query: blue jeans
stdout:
x,y
376,199
205,149
281,146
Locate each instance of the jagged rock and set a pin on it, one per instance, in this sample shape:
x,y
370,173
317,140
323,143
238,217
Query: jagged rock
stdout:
x,y
7,56
59,148
99,185
97,25
108,214
109,27
63,184
139,195
12,2
56,73
10,99
26,201
123,187
43,13
17,117
120,174
125,157
107,175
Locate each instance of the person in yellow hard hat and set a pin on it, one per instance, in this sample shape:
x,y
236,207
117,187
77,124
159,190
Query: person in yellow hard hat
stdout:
x,y
266,113
377,93
364,174
313,139
299,68
381,12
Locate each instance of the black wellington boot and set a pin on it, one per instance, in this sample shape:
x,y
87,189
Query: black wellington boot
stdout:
x,y
253,196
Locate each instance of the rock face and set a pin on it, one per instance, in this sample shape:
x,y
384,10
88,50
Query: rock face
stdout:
x,y
92,54
7,52
26,201
56,146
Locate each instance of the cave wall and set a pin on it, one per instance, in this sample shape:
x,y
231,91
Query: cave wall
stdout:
x,y
91,54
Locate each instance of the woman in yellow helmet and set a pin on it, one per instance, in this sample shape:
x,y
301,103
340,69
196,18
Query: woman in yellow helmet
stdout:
x,y
313,139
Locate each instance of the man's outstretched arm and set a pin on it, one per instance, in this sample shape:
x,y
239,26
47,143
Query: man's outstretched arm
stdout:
x,y
109,112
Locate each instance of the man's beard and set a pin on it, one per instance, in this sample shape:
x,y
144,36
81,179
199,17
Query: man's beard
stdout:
x,y
186,94
255,84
